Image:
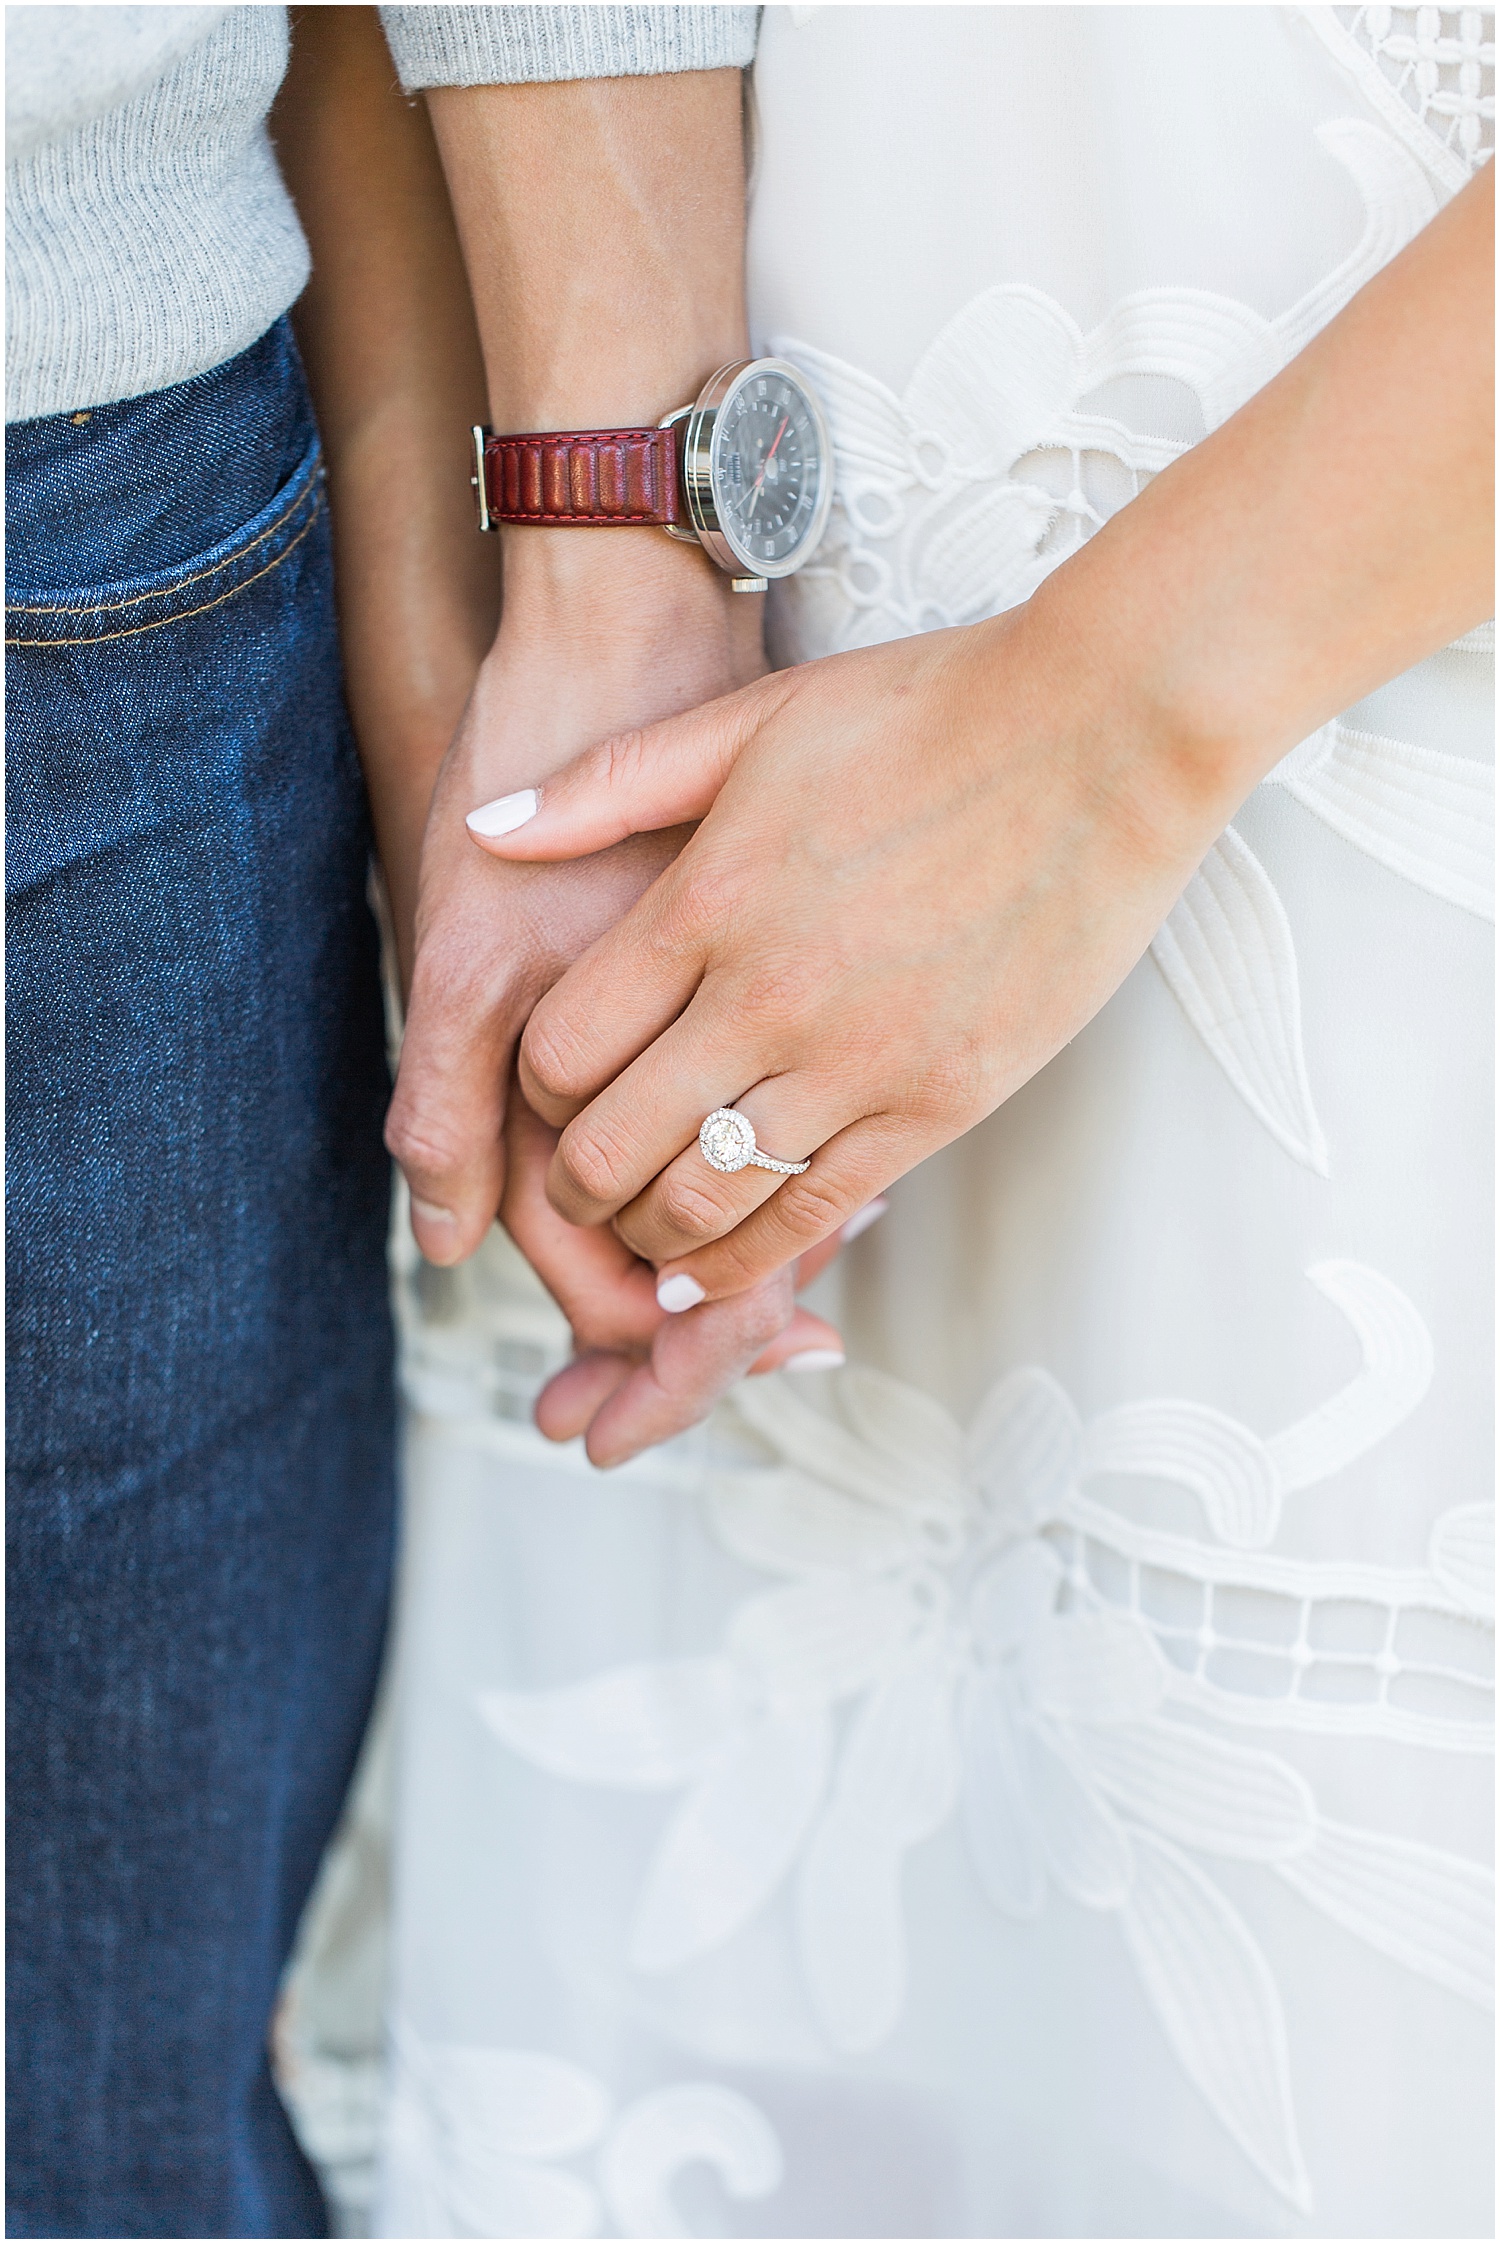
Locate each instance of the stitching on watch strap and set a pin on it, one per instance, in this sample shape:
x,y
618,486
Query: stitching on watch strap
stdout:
x,y
589,477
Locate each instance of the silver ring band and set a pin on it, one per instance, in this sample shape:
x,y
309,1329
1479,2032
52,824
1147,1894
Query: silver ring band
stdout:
x,y
727,1143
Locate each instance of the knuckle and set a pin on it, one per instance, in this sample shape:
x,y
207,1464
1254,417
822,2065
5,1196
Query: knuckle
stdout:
x,y
952,1087
706,900
555,1056
808,1209
593,1165
621,762
419,1142
688,1209
743,1259
779,991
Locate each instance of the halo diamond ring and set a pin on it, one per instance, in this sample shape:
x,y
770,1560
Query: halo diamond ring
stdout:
x,y
727,1143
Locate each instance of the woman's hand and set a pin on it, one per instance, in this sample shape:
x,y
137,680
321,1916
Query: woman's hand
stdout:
x,y
923,867
640,1375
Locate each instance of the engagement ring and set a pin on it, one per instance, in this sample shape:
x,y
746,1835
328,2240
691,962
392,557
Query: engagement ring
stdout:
x,y
727,1143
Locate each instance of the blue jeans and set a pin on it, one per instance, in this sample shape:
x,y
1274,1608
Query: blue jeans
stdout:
x,y
201,1416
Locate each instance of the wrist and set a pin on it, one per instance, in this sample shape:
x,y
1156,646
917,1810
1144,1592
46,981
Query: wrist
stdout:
x,y
600,631
1074,678
629,597
1128,640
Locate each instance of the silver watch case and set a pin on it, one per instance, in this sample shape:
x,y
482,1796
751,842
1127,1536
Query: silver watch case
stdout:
x,y
695,457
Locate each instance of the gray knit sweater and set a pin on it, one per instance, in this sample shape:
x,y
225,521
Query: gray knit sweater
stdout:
x,y
148,235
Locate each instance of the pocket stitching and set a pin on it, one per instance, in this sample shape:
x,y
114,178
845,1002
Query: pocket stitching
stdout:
x,y
180,615
178,584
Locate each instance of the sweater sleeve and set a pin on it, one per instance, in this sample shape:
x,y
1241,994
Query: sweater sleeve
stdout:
x,y
509,46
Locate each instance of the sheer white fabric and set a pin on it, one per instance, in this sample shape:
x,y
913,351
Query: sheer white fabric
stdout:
x,y
1036,1781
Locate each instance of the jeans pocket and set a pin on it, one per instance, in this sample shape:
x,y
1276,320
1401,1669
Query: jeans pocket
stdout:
x,y
92,615
155,705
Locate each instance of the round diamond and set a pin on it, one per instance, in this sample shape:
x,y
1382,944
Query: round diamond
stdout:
x,y
726,1140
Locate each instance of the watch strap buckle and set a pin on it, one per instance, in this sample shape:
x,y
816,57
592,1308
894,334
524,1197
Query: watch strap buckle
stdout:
x,y
480,480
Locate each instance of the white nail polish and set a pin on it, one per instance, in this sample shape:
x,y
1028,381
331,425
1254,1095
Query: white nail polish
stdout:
x,y
815,1359
679,1293
503,815
431,1214
862,1219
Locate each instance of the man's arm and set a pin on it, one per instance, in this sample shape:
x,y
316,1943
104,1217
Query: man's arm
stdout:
x,y
602,227
387,332
599,628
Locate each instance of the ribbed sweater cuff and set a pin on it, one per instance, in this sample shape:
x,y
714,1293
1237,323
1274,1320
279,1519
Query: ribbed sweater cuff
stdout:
x,y
439,46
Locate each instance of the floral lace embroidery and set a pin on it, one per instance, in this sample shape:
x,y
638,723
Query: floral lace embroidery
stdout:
x,y
1429,72
1428,816
971,1627
488,2139
955,500
1227,955
975,1630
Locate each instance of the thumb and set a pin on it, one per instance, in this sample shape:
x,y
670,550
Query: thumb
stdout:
x,y
660,775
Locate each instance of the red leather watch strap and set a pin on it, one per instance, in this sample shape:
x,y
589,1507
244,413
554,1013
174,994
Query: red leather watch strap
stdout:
x,y
585,476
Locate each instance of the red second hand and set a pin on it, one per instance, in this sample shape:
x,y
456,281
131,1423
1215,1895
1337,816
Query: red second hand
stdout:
x,y
765,463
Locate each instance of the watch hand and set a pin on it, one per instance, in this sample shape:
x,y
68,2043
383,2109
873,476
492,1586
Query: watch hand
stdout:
x,y
765,463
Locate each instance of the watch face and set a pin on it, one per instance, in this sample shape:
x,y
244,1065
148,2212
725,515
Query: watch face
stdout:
x,y
768,466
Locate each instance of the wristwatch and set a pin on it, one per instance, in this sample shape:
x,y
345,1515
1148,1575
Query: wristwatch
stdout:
x,y
745,471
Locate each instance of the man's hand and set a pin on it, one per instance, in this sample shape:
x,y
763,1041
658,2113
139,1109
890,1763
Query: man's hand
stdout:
x,y
597,630
601,224
492,938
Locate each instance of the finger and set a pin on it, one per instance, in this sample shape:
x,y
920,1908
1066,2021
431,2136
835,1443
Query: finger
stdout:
x,y
611,1004
574,1395
692,1202
640,977
444,1123
654,1107
845,1174
809,1343
607,1295
693,1361
659,775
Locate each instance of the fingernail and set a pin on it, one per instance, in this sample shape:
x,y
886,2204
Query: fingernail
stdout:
x,y
862,1219
431,1214
504,815
679,1293
815,1359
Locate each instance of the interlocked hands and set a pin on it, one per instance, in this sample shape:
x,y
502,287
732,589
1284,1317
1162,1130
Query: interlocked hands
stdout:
x,y
920,869
490,940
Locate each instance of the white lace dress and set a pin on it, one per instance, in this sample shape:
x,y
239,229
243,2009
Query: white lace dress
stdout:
x,y
1036,1781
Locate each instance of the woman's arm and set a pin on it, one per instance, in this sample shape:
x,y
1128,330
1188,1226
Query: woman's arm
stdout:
x,y
924,867
387,332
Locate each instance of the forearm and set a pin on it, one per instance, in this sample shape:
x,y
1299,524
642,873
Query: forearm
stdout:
x,y
1334,531
977,832
387,333
602,224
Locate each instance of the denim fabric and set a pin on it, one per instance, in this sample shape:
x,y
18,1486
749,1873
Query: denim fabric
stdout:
x,y
200,1440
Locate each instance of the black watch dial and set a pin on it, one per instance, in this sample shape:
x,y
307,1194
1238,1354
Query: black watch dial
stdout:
x,y
768,468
